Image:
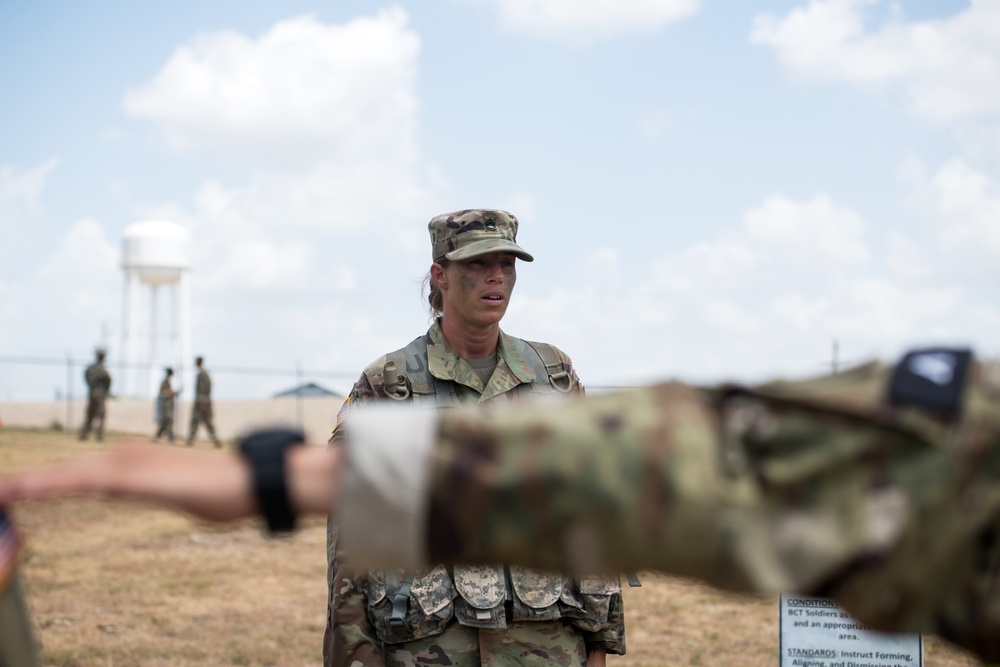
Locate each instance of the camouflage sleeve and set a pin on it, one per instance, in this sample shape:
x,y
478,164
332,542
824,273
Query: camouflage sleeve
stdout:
x,y
612,638
816,487
349,638
367,389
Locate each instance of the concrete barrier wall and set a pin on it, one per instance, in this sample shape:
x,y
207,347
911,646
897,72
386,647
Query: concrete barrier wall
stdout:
x,y
315,415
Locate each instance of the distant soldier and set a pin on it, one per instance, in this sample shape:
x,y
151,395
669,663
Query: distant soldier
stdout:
x,y
165,407
99,385
201,411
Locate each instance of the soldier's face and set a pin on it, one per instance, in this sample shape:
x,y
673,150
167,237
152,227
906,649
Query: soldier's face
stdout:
x,y
478,290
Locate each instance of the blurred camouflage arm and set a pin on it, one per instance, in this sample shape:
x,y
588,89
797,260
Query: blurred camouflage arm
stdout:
x,y
612,638
813,487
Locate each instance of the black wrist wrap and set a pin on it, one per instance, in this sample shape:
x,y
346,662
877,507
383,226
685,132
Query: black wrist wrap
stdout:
x,y
265,452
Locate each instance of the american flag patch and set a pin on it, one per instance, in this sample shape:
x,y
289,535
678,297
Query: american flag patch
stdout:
x,y
10,547
342,415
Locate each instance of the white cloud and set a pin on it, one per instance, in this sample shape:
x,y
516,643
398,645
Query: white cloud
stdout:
x,y
587,21
20,194
815,235
302,87
770,295
781,235
965,208
947,68
20,210
86,260
327,116
78,282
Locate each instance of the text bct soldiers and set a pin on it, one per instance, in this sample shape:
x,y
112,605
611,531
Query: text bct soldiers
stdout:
x,y
486,614
98,386
201,410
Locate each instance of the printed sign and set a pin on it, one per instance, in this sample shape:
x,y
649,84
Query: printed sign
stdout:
x,y
815,632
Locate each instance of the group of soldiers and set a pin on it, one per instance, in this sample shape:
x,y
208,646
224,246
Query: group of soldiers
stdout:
x,y
98,381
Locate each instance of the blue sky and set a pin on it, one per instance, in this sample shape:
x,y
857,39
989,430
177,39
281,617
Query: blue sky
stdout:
x,y
712,190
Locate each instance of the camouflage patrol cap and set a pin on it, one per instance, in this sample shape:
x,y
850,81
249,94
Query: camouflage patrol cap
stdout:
x,y
462,235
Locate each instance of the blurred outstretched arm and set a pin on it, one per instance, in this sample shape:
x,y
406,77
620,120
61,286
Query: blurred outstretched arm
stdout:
x,y
209,485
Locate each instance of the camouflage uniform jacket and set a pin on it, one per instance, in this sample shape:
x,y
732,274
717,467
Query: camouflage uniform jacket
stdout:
x,y
203,388
98,380
361,615
165,401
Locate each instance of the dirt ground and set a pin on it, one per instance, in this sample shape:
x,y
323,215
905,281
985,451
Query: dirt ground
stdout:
x,y
115,585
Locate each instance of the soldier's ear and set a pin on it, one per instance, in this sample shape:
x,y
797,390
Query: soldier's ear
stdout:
x,y
439,275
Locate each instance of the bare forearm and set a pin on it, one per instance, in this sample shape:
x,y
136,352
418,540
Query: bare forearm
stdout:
x,y
209,485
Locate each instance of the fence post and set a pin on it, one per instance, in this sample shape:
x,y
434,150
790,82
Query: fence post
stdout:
x,y
298,393
69,392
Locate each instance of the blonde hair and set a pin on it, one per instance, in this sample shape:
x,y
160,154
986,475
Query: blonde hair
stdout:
x,y
435,300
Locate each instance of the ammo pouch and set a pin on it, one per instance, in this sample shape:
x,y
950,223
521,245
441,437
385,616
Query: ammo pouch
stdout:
x,y
404,606
590,605
408,606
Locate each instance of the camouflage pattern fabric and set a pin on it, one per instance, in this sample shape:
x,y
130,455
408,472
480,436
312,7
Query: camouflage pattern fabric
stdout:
x,y
528,644
17,642
462,235
816,487
165,410
352,639
18,647
99,385
201,411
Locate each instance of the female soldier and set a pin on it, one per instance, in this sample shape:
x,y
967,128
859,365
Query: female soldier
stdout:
x,y
484,614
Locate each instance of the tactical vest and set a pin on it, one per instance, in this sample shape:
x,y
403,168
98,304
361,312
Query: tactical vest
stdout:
x,y
416,383
404,606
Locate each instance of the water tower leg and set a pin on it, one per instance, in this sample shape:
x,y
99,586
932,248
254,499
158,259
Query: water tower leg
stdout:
x,y
152,342
175,330
128,330
186,373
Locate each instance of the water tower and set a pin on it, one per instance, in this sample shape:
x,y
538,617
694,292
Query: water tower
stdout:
x,y
156,253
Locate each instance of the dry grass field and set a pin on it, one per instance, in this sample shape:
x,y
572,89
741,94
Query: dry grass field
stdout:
x,y
115,585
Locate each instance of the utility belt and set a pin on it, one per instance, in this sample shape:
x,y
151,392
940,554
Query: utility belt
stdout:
x,y
404,606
